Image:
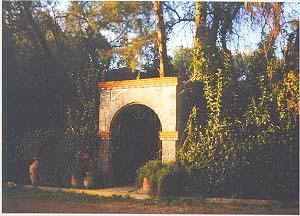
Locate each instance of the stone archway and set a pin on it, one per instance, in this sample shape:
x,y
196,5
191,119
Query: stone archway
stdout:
x,y
159,94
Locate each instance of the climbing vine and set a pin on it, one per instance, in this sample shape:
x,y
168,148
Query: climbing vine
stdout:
x,y
239,152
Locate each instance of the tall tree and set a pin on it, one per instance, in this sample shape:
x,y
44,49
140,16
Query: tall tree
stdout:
x,y
161,37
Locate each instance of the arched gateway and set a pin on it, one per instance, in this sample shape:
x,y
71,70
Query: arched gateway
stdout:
x,y
136,104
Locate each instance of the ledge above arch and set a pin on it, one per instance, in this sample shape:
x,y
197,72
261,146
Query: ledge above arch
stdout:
x,y
141,83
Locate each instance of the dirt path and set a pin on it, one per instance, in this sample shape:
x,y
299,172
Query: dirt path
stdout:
x,y
17,204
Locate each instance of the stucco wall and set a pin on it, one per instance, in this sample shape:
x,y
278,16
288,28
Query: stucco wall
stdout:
x,y
162,100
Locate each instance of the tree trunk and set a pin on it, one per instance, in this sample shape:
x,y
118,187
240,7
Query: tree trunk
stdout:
x,y
161,41
200,42
200,25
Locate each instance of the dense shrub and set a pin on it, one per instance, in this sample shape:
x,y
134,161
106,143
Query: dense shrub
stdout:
x,y
164,179
257,159
170,180
49,148
149,170
197,182
35,144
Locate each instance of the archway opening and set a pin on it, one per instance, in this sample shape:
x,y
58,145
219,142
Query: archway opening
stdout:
x,y
135,140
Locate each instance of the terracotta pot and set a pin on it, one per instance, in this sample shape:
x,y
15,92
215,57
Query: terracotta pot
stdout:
x,y
34,172
159,183
75,181
146,185
88,181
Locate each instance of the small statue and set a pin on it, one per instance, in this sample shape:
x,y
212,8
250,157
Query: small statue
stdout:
x,y
34,170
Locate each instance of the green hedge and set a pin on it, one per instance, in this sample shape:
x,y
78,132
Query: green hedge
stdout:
x,y
197,182
171,180
165,179
50,150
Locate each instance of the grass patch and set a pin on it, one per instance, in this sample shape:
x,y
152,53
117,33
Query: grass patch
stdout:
x,y
60,195
20,194
20,200
171,200
37,194
149,202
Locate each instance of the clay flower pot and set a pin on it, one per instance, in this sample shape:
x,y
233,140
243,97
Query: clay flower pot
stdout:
x,y
146,185
75,181
159,183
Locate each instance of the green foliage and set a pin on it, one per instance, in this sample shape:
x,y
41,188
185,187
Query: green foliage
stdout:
x,y
165,179
244,151
199,63
81,117
270,134
197,182
28,194
58,57
149,170
171,180
216,153
36,144
133,28
182,61
50,151
210,145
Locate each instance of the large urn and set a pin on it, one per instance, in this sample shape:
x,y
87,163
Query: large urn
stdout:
x,y
34,172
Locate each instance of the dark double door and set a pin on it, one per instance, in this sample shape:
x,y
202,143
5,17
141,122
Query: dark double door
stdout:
x,y
134,142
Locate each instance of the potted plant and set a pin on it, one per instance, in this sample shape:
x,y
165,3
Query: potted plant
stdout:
x,y
76,180
146,176
77,175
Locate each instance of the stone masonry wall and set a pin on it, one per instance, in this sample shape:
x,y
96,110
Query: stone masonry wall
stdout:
x,y
159,94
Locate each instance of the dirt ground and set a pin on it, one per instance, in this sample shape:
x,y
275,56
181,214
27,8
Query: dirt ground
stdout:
x,y
26,203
